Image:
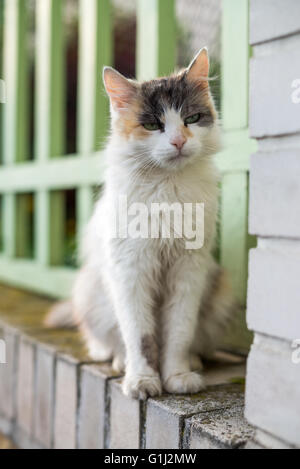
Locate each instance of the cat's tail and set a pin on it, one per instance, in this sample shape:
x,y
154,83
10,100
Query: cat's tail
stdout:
x,y
61,316
219,312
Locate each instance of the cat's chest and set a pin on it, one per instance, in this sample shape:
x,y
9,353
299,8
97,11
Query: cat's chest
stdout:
x,y
170,193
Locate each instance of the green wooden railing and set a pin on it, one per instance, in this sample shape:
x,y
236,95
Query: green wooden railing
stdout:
x,y
234,160
42,178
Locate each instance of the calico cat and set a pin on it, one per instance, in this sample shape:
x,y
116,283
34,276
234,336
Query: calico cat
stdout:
x,y
151,305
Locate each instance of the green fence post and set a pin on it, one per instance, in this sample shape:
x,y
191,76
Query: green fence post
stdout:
x,y
156,38
50,126
23,228
95,36
9,224
57,228
50,106
234,160
15,132
235,64
1,75
15,121
235,86
1,121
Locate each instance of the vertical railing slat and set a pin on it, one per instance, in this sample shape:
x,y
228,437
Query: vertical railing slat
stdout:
x,y
156,38
15,119
1,122
49,124
9,224
50,106
234,229
104,57
234,223
57,228
23,231
234,240
86,76
235,64
84,208
1,76
95,36
42,227
15,132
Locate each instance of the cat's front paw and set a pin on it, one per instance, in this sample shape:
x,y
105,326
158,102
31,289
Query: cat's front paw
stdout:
x,y
184,383
141,387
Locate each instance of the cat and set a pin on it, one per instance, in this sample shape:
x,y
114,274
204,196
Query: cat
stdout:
x,y
152,306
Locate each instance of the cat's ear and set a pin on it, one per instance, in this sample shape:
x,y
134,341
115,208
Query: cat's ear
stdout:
x,y
120,90
198,70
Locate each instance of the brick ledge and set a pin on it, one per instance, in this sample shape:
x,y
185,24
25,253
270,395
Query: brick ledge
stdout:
x,y
52,396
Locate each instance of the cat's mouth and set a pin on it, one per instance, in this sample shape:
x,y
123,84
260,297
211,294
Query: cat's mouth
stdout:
x,y
178,156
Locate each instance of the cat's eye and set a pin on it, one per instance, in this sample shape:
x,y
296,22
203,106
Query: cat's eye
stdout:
x,y
152,126
192,119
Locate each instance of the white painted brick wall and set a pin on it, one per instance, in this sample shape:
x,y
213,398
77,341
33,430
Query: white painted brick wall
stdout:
x,y
271,19
272,73
125,418
66,403
8,381
92,425
25,386
160,417
273,389
274,289
273,380
275,194
44,397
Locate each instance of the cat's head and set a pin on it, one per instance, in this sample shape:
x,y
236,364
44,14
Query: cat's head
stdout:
x,y
167,122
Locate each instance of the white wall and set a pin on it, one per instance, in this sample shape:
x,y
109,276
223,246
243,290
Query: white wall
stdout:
x,y
273,382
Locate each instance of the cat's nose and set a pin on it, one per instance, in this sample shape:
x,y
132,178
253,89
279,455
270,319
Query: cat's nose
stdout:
x,y
178,141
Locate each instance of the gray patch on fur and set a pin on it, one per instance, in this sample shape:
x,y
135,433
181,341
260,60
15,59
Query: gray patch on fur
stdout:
x,y
150,351
175,92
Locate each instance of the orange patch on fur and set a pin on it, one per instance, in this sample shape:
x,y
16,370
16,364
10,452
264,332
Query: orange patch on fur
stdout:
x,y
128,124
140,133
186,132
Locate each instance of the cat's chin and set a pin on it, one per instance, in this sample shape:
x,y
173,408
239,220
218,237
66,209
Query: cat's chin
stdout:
x,y
178,161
